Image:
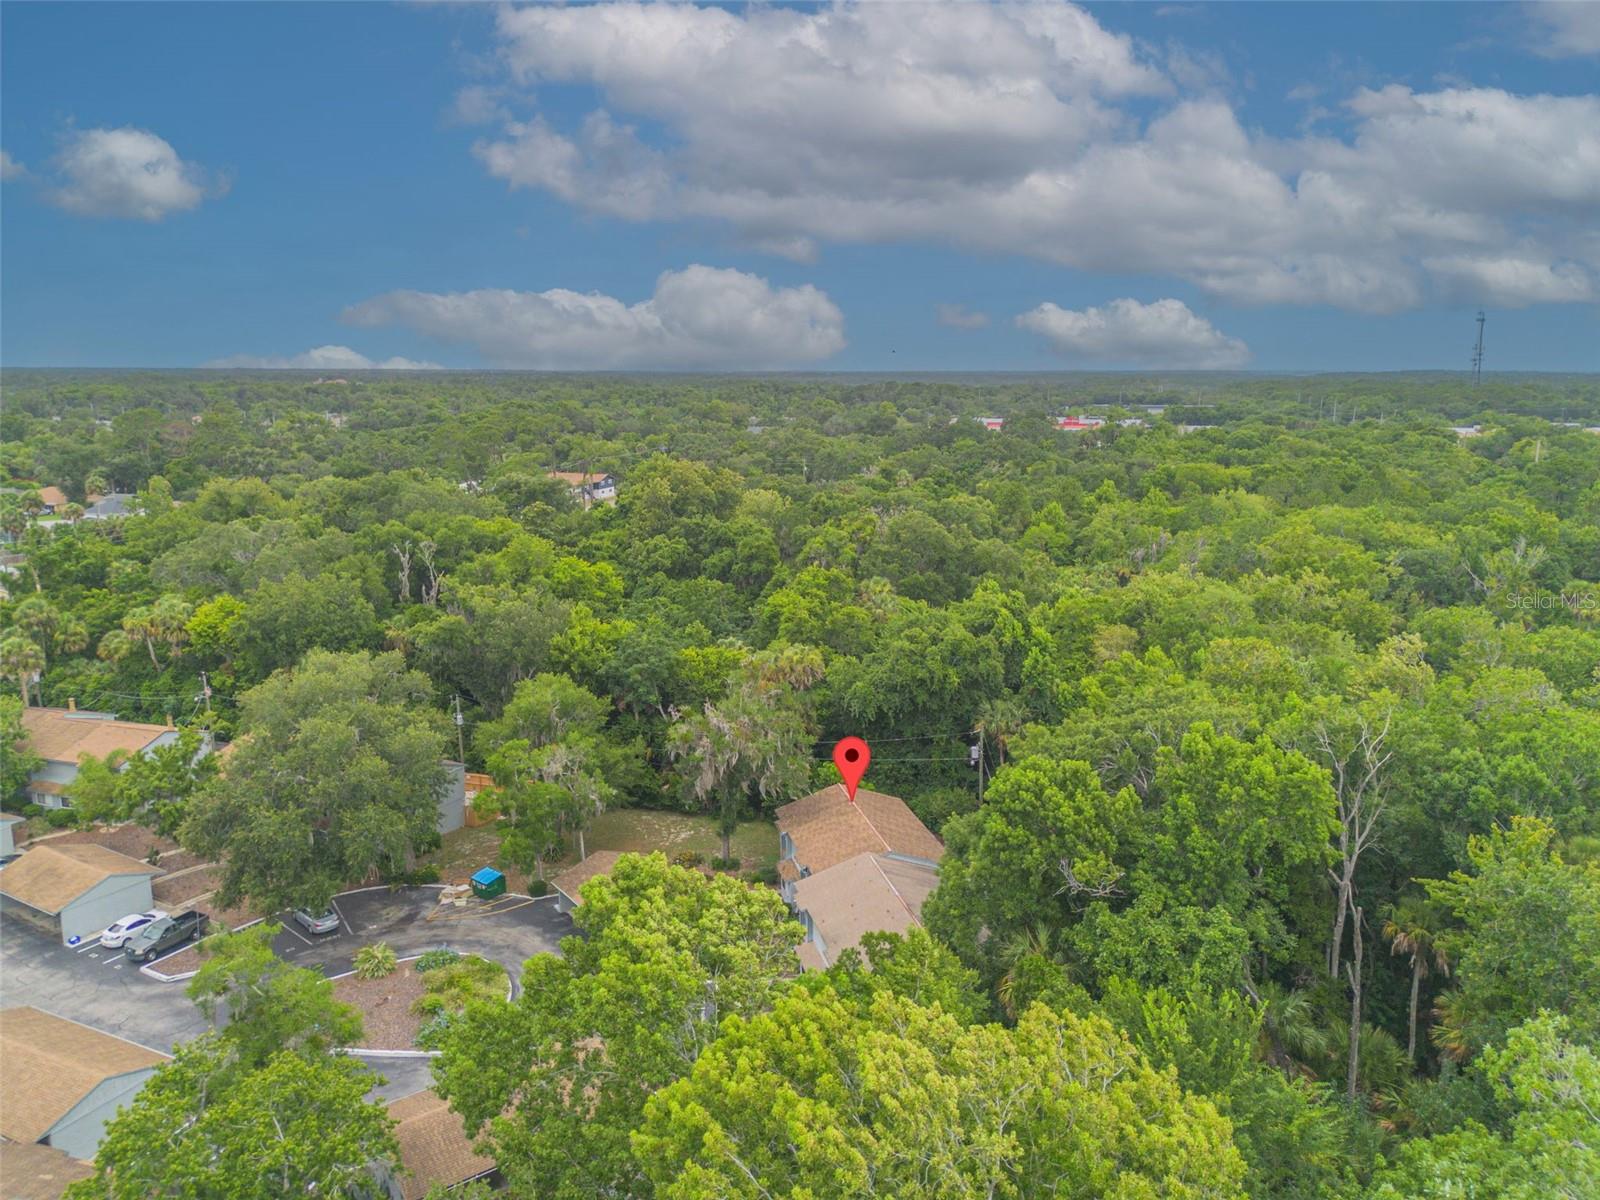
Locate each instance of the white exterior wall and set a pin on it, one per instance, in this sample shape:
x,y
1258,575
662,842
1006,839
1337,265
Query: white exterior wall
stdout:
x,y
79,1132
104,903
453,798
51,772
55,771
7,845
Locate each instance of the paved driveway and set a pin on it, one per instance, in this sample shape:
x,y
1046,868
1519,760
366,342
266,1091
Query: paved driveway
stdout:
x,y
509,930
102,989
97,987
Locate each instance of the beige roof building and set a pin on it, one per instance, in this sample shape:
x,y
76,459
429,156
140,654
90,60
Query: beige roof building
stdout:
x,y
853,868
870,893
825,828
53,497
574,877
74,891
65,735
50,878
60,1081
29,1171
433,1147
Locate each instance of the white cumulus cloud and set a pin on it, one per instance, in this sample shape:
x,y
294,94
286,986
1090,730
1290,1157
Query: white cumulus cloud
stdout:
x,y
10,168
322,358
1566,28
700,317
1010,128
125,172
1127,333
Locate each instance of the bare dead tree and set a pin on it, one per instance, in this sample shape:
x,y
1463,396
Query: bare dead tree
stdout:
x,y
1360,784
402,551
1100,890
430,588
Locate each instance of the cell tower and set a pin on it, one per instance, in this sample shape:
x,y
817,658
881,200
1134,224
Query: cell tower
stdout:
x,y
1477,352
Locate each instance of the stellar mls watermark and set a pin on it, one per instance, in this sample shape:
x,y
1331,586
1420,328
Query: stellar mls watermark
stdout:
x,y
1547,601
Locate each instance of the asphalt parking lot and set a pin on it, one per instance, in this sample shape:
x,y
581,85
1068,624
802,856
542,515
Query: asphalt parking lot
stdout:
x,y
509,930
101,988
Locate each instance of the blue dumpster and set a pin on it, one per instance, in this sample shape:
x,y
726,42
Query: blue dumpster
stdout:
x,y
487,883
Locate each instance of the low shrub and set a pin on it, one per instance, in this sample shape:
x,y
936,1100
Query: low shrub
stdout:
x,y
431,1035
688,858
375,961
539,887
429,1006
767,874
434,959
427,873
60,818
726,864
450,987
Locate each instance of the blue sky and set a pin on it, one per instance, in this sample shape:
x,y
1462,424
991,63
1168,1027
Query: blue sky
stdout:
x,y
1277,186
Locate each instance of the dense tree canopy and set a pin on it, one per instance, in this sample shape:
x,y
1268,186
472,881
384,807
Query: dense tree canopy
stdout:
x,y
1281,697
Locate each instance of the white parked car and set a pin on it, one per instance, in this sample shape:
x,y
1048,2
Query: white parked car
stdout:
x,y
118,933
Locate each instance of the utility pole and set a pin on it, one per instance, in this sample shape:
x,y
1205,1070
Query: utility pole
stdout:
x,y
975,758
1477,353
205,690
461,741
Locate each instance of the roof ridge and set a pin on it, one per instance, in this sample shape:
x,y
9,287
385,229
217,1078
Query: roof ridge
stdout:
x,y
896,892
875,830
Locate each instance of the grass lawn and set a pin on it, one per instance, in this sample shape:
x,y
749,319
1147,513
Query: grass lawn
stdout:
x,y
637,829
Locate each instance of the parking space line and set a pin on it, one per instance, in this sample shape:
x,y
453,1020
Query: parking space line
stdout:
x,y
339,912
288,927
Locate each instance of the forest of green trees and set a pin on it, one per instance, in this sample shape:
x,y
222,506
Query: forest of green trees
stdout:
x,y
1279,875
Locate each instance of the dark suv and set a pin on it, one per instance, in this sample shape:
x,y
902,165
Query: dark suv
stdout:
x,y
161,936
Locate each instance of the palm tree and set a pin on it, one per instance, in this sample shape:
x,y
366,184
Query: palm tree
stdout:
x,y
96,483
72,635
20,659
792,666
1292,1028
1410,928
1002,719
1035,941
170,620
37,618
70,513
114,646
141,623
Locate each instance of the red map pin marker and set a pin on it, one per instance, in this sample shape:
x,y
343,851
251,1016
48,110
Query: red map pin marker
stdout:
x,y
851,756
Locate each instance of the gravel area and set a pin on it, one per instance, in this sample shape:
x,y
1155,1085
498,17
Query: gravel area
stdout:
x,y
169,892
225,918
133,840
385,1006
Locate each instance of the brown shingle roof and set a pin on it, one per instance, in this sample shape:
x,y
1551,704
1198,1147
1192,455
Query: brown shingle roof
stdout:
x,y
865,894
51,877
433,1145
53,496
577,478
48,1064
827,828
31,1171
55,734
574,877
